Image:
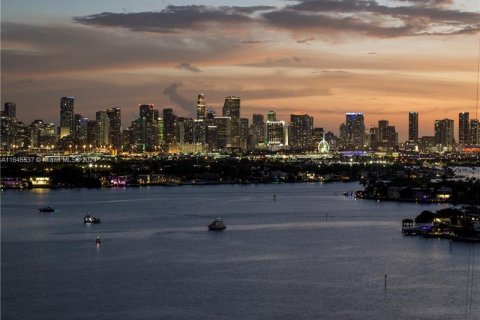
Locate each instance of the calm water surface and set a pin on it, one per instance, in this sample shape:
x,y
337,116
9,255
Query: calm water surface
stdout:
x,y
310,254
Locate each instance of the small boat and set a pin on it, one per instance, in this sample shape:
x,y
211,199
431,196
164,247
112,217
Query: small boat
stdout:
x,y
216,225
90,219
47,209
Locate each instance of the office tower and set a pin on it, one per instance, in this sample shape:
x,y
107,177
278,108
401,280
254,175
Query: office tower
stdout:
x,y
82,130
258,128
276,133
474,132
212,138
185,130
271,116
67,117
115,133
224,128
161,138
91,134
147,131
413,126
169,120
231,109
300,135
200,131
354,131
103,129
10,109
463,128
444,134
201,108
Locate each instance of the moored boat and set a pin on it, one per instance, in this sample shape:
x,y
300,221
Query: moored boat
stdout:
x,y
217,225
47,209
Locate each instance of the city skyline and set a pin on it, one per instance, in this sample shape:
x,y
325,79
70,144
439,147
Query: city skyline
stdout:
x,y
384,60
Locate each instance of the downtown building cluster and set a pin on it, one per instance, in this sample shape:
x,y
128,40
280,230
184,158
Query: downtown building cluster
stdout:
x,y
164,131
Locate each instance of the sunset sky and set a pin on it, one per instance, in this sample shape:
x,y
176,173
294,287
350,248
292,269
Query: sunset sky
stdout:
x,y
321,57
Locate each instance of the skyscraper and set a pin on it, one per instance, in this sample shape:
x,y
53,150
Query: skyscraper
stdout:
x,y
115,134
223,133
259,128
300,135
474,132
201,109
103,129
275,133
231,108
463,128
413,126
444,134
354,131
67,116
169,120
147,131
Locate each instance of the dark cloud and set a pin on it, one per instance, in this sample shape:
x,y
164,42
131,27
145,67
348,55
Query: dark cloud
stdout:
x,y
172,93
174,18
325,18
368,17
187,66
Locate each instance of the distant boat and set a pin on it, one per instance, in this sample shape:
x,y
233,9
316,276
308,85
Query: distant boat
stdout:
x,y
47,209
90,219
217,225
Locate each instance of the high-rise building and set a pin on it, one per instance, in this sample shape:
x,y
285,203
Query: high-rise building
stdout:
x,y
212,138
385,137
413,126
231,109
8,126
353,131
146,129
67,116
169,129
224,128
444,134
82,130
201,108
258,127
91,134
185,130
276,133
10,109
115,133
463,128
474,132
200,131
103,129
300,134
